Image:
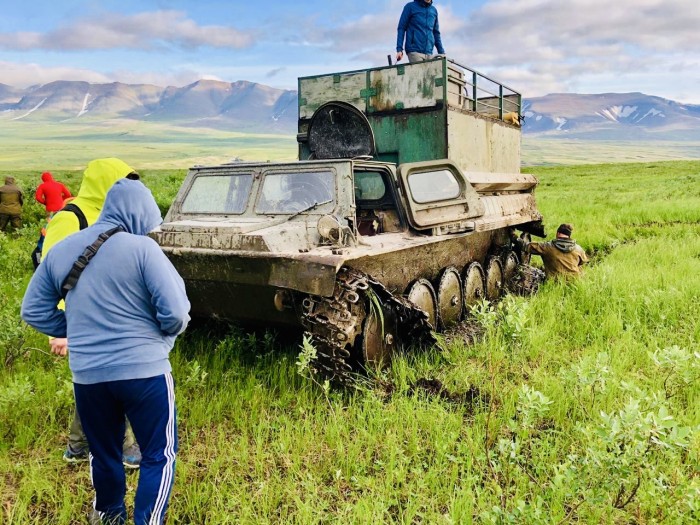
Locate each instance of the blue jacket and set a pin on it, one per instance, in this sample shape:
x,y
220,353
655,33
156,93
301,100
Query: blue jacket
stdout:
x,y
123,315
419,25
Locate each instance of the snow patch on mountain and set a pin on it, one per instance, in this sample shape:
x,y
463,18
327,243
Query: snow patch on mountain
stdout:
x,y
615,113
654,113
84,109
32,110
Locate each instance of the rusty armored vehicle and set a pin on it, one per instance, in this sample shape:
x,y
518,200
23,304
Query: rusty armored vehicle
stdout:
x,y
397,217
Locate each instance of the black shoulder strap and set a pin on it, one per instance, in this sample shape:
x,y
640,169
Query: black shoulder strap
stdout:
x,y
78,213
84,259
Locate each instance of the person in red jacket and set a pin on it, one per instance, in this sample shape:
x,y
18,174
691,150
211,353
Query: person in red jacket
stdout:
x,y
51,194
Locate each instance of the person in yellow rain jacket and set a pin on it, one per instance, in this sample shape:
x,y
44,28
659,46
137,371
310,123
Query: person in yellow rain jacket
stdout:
x,y
99,176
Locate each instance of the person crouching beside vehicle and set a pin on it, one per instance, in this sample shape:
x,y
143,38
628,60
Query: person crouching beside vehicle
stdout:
x,y
122,316
561,256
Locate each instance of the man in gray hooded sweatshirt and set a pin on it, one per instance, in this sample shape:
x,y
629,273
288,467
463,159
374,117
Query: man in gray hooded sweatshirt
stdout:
x,y
123,313
561,256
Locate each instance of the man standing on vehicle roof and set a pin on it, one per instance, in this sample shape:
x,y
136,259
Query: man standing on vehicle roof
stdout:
x,y
419,27
562,257
99,176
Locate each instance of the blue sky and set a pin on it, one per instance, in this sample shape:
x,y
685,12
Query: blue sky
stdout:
x,y
534,46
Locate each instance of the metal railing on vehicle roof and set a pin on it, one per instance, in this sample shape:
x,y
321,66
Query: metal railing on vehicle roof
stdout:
x,y
483,94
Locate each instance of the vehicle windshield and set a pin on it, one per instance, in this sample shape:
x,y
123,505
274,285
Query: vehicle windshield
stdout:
x,y
222,194
294,192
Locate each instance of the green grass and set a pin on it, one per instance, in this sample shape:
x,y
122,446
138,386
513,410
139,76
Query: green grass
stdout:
x,y
539,151
580,405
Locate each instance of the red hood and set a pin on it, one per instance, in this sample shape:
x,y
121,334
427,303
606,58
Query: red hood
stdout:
x,y
46,177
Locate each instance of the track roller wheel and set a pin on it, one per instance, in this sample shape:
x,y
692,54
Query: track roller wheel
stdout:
x,y
379,338
449,297
422,294
510,268
523,256
472,285
494,278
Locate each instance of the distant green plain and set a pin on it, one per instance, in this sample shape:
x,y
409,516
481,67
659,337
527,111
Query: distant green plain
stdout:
x,y
539,151
144,145
67,145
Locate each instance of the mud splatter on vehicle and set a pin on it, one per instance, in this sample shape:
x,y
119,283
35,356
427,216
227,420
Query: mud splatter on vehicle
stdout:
x,y
399,217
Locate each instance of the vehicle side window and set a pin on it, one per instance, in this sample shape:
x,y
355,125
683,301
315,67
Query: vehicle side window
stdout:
x,y
433,186
369,185
218,194
377,212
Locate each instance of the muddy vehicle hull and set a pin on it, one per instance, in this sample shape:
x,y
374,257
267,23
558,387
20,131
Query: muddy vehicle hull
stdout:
x,y
399,217
243,286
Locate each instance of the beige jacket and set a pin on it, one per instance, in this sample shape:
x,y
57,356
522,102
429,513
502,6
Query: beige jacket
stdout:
x,y
10,198
561,257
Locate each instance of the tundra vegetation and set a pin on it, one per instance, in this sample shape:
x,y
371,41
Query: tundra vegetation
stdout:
x,y
578,405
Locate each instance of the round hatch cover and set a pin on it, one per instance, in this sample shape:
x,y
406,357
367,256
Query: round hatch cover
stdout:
x,y
340,131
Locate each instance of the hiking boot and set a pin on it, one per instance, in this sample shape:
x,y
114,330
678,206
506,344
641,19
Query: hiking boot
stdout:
x,y
94,517
73,456
131,457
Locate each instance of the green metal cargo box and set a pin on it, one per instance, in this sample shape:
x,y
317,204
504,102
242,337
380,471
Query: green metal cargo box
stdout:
x,y
425,111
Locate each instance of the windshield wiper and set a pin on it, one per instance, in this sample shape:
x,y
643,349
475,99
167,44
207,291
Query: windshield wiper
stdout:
x,y
309,208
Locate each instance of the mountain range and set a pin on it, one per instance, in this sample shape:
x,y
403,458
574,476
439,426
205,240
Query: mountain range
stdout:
x,y
611,116
252,107
239,106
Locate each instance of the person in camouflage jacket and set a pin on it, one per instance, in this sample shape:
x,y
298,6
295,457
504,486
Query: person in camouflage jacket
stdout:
x,y
11,202
561,256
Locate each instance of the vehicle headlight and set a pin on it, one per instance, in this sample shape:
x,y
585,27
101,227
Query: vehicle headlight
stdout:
x,y
329,228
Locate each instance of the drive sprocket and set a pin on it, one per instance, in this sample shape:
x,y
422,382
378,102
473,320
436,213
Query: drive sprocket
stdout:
x,y
334,324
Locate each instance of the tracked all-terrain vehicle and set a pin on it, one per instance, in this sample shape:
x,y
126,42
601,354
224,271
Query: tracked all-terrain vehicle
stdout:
x,y
398,216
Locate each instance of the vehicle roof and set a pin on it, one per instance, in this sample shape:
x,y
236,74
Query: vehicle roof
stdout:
x,y
320,162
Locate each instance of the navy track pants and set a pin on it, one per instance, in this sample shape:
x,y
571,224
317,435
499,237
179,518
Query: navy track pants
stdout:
x,y
150,406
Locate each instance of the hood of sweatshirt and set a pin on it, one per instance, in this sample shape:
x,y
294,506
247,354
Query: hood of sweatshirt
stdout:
x,y
131,205
98,178
564,245
46,177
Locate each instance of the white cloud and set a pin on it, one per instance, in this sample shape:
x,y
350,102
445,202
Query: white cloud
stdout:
x,y
24,75
544,46
144,30
648,26
534,46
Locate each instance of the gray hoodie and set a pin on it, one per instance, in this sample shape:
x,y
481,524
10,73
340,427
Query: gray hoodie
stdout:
x,y
124,313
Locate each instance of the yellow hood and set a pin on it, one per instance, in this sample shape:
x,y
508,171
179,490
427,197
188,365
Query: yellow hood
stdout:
x,y
98,178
